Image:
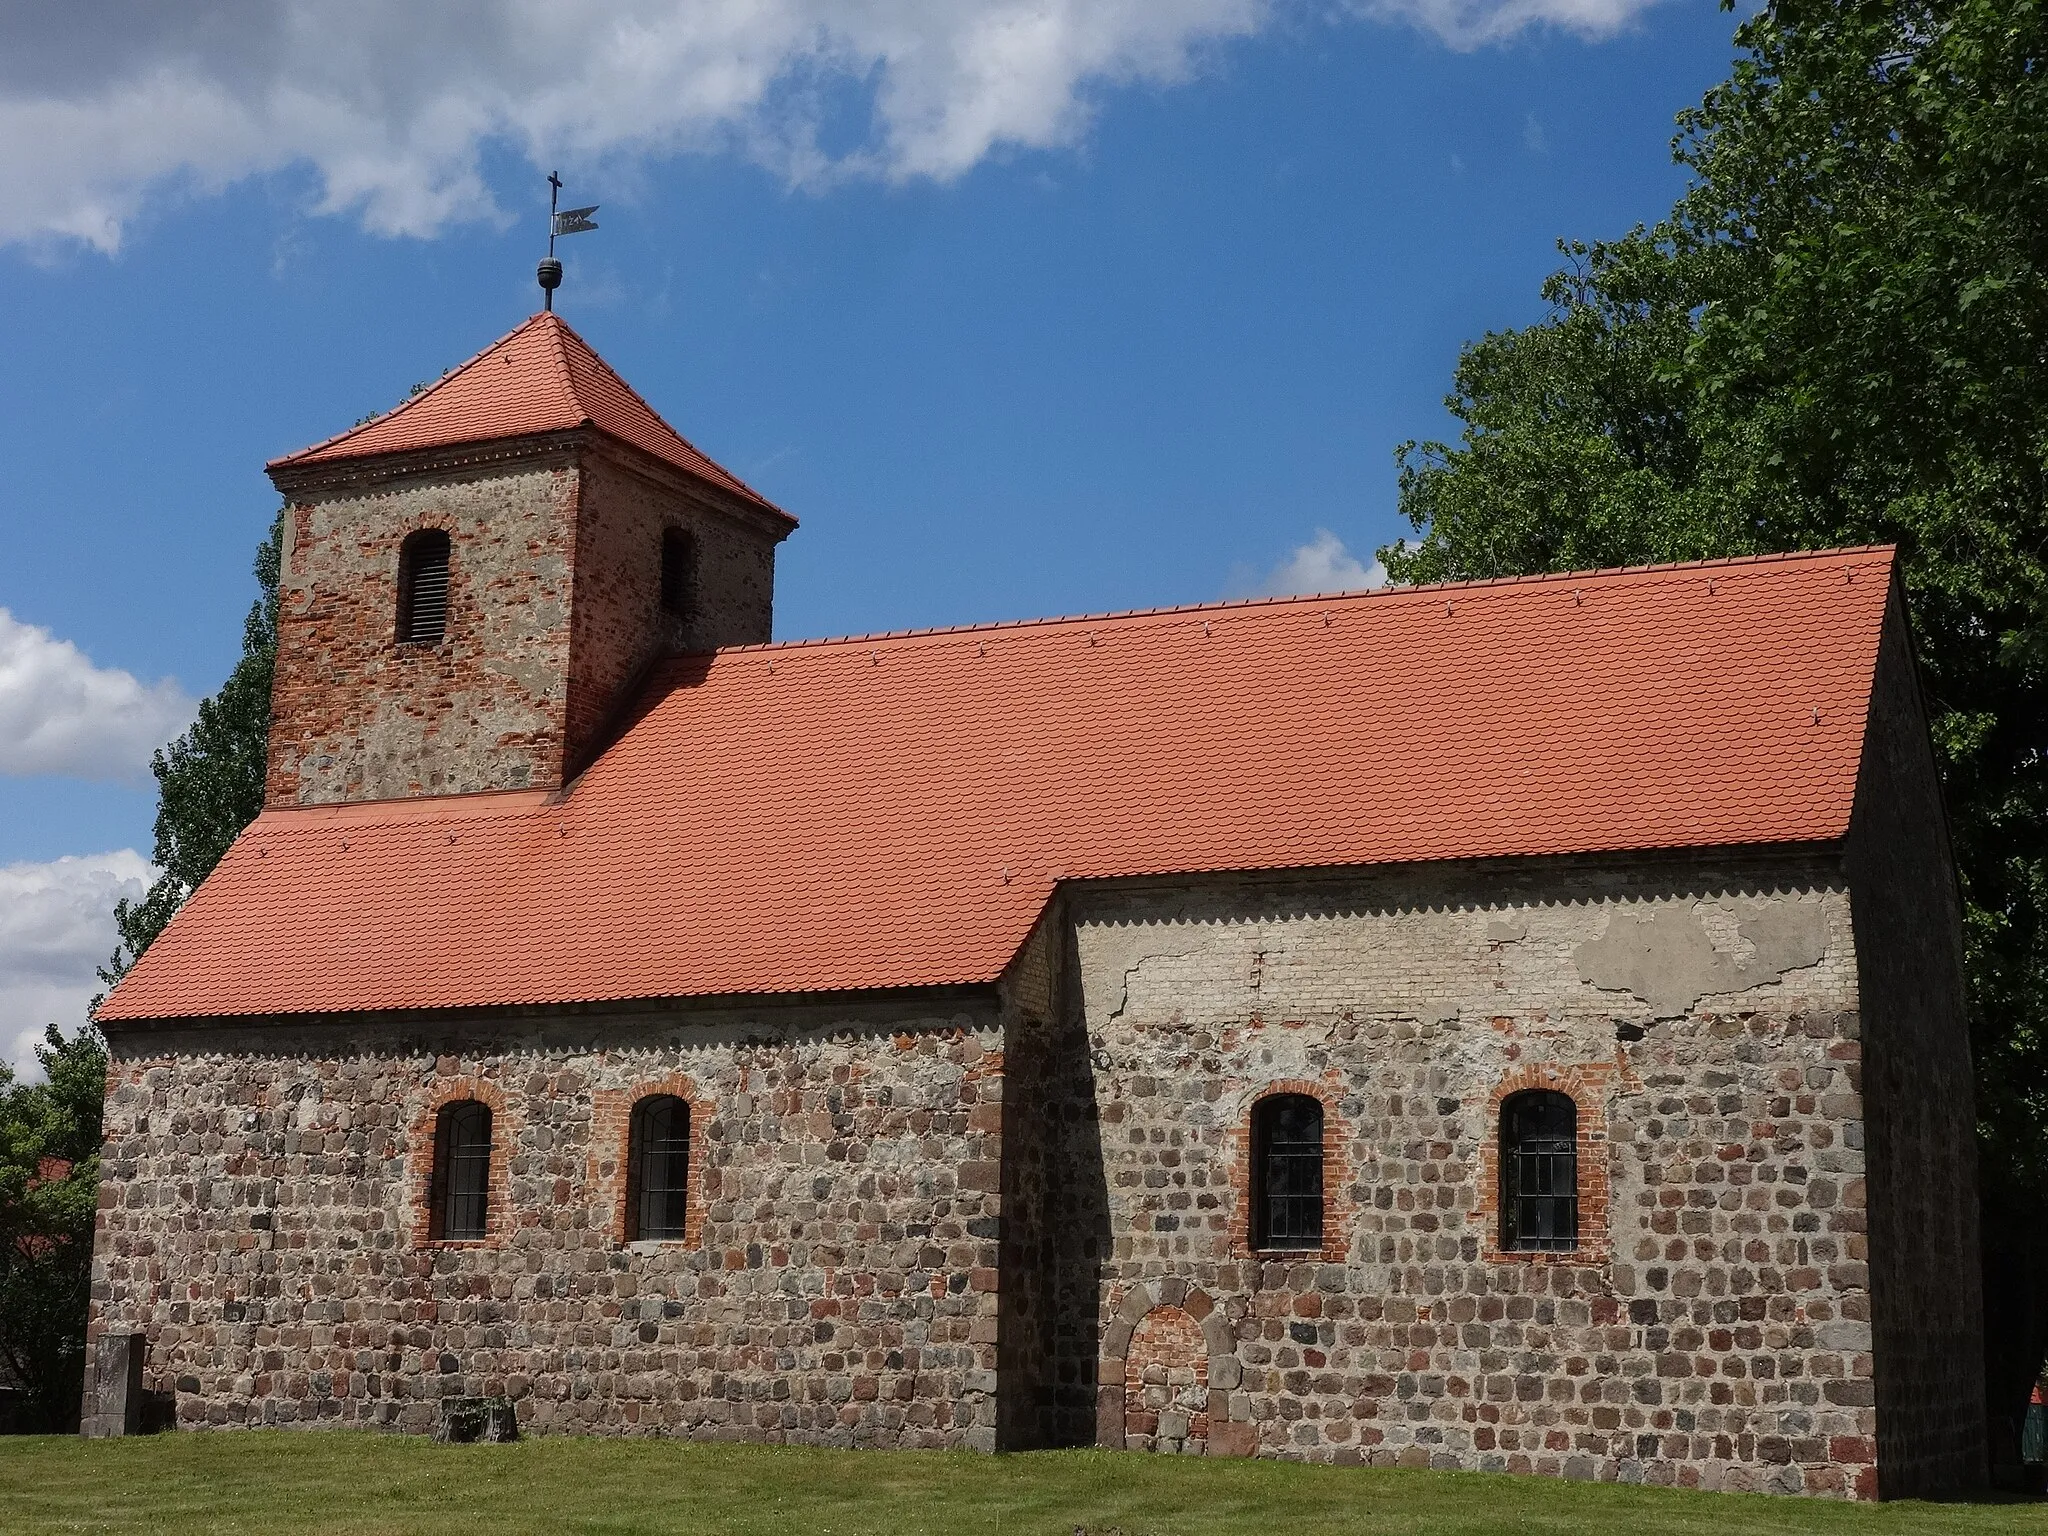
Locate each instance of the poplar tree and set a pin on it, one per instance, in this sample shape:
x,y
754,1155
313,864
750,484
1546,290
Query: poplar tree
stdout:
x,y
210,780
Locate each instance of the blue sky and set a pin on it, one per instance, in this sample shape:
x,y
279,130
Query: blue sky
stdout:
x,y
1145,330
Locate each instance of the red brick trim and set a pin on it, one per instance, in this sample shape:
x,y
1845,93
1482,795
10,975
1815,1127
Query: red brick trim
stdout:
x,y
611,1130
420,1161
1336,1175
1586,1085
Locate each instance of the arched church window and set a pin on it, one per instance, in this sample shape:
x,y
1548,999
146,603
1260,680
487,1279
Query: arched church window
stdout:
x,y
461,1197
658,1160
678,572
1287,1172
423,587
1539,1172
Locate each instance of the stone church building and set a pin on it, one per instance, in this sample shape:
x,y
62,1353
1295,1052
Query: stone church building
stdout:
x,y
1513,1025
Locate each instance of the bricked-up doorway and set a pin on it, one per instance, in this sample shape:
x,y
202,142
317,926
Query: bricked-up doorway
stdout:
x,y
1166,1384
1169,1365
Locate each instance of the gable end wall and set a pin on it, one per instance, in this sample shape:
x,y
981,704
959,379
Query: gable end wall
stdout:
x,y
1925,1276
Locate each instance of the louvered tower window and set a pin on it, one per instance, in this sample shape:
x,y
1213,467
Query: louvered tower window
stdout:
x,y
659,1157
423,588
1539,1172
1287,1172
461,1200
678,572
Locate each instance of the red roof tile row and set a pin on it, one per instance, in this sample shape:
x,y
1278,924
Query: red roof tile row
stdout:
x,y
895,811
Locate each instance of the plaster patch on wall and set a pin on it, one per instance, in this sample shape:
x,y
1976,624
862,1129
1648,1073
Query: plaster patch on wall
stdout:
x,y
1668,957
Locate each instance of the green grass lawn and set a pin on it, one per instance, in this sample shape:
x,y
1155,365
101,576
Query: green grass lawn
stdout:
x,y
347,1482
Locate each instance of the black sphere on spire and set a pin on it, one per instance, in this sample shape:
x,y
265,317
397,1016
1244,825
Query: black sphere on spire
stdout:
x,y
550,275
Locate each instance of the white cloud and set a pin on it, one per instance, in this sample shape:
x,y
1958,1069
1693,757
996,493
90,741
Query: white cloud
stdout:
x,y
1468,24
391,103
56,929
60,714
1323,564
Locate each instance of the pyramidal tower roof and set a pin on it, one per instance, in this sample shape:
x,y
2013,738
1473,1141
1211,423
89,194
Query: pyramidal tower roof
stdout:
x,y
541,377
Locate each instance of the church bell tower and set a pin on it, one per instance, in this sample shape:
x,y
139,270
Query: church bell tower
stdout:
x,y
474,583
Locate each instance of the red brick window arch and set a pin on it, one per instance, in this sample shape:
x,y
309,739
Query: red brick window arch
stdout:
x,y
462,1131
1290,1174
1543,1176
649,1173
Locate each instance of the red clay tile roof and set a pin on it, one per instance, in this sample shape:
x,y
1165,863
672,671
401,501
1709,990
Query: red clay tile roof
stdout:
x,y
542,377
894,811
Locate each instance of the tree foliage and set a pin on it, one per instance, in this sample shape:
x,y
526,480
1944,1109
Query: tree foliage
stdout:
x,y
210,780
49,1191
210,787
1838,336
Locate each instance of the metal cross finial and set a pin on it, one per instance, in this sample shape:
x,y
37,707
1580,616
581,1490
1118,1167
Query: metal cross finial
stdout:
x,y
573,222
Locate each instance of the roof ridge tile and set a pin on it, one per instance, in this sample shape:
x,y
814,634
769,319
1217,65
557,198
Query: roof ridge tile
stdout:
x,y
1293,599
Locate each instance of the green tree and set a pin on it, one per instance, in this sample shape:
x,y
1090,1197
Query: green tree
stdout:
x,y
49,1191
1838,336
210,780
210,783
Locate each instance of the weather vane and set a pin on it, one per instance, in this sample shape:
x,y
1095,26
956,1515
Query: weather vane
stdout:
x,y
561,221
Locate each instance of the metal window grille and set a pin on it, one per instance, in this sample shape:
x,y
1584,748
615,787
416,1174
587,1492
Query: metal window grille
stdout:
x,y
462,1171
423,588
1539,1172
1287,1177
660,1160
678,571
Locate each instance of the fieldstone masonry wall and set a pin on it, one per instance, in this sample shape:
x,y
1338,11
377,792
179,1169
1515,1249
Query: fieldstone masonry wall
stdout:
x,y
1926,1281
619,624
1715,1328
554,611
357,716
1007,1221
260,1225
